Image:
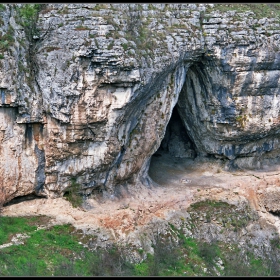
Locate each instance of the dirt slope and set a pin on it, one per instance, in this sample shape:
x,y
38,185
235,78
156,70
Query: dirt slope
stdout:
x,y
180,183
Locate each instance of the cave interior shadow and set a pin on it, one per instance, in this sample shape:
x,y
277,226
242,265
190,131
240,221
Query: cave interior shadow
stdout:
x,y
175,154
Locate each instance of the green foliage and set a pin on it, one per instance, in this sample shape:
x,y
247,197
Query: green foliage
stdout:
x,y
142,269
1,56
73,194
275,243
7,39
208,252
209,204
125,46
238,263
166,254
11,225
41,253
58,251
228,216
28,16
260,10
2,7
139,32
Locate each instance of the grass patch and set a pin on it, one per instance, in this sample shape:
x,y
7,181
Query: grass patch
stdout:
x,y
58,251
228,216
12,225
42,253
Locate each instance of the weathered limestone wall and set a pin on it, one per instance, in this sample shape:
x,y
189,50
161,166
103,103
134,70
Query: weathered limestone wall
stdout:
x,y
107,79
236,112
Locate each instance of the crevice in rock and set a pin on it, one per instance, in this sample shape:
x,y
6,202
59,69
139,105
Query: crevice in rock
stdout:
x,y
40,171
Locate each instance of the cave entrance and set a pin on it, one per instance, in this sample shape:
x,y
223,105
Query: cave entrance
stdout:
x,y
19,199
175,154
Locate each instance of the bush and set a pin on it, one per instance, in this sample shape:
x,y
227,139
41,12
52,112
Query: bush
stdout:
x,y
73,195
166,254
110,261
236,266
208,252
65,268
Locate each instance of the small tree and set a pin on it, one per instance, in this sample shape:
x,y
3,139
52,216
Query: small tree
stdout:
x,y
27,17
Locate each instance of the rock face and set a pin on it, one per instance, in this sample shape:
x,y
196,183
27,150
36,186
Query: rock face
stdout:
x,y
87,98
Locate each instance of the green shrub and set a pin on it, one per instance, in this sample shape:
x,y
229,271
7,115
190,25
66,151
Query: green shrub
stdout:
x,y
208,252
73,195
125,46
28,16
2,7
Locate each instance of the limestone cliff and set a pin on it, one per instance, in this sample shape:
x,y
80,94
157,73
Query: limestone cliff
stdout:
x,y
88,90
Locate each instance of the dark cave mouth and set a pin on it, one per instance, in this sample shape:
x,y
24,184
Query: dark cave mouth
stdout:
x,y
176,152
176,141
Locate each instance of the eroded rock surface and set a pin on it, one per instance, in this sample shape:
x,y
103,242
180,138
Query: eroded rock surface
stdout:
x,y
87,99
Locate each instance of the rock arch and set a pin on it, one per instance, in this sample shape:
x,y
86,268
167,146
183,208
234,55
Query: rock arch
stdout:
x,y
214,103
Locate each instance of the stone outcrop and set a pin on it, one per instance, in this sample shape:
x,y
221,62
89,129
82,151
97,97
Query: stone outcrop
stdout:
x,y
88,97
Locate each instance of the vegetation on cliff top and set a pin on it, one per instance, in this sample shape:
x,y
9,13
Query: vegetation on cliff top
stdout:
x,y
261,10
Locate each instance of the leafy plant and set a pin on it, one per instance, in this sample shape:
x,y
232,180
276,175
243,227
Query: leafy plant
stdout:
x,y
73,194
28,16
7,39
208,252
2,7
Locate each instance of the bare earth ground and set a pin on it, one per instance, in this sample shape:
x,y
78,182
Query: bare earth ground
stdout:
x,y
180,182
